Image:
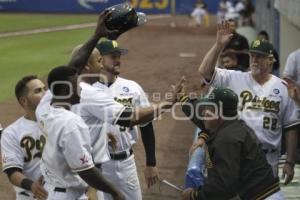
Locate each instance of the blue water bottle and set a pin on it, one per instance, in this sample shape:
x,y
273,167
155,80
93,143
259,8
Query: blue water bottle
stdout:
x,y
195,172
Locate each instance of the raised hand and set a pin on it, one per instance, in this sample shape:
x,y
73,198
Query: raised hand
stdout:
x,y
177,90
101,29
293,89
223,34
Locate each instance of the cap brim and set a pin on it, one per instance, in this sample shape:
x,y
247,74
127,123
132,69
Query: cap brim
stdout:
x,y
121,51
259,52
142,19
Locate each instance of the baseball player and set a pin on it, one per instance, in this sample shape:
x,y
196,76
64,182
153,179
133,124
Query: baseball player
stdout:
x,y
96,105
67,164
22,143
263,99
121,168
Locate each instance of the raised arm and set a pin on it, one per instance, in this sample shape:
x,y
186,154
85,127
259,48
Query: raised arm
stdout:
x,y
209,62
293,90
80,58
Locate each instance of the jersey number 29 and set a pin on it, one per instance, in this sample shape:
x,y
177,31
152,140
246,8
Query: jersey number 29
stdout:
x,y
29,144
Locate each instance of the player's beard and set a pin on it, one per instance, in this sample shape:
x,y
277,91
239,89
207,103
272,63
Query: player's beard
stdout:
x,y
255,69
113,69
31,104
116,70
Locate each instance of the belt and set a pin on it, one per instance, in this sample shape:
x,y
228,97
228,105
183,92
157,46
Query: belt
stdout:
x,y
98,165
121,155
266,151
57,189
24,194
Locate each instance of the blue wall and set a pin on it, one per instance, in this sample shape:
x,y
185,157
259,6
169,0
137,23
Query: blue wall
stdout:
x,y
95,6
81,6
186,6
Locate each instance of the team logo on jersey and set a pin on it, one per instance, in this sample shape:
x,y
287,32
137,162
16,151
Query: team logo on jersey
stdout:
x,y
6,159
84,160
255,103
125,101
276,91
125,89
29,143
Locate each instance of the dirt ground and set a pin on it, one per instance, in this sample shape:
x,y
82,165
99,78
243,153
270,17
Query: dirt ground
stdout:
x,y
154,62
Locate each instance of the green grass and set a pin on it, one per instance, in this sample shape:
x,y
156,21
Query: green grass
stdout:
x,y
35,54
16,22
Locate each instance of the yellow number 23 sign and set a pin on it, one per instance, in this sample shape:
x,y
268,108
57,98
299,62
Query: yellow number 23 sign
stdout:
x,y
150,4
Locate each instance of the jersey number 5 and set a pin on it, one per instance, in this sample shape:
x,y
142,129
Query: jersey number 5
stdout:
x,y
29,144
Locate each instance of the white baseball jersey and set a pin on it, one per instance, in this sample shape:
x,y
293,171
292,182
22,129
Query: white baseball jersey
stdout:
x,y
130,94
265,108
21,147
67,150
292,66
123,173
198,14
96,107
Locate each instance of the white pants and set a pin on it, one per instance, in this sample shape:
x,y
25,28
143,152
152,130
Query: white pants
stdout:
x,y
24,197
276,196
198,14
27,196
123,175
70,194
273,160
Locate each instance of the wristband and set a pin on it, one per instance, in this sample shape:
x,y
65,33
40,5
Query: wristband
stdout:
x,y
203,135
184,99
26,184
194,195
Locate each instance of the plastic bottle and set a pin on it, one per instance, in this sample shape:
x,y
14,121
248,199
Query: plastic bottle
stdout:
x,y
195,172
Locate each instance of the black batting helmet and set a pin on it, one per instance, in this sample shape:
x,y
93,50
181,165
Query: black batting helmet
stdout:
x,y
124,18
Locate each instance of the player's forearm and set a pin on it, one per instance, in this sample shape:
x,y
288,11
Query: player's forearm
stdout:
x,y
148,138
94,179
147,114
81,57
209,62
18,179
291,144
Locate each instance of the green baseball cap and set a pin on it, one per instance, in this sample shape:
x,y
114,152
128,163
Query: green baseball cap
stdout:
x,y
106,47
224,97
262,47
